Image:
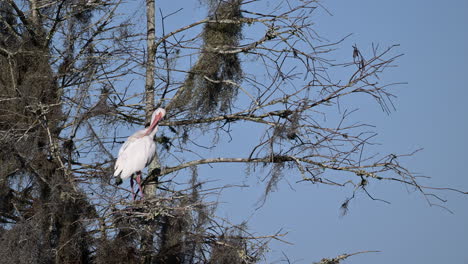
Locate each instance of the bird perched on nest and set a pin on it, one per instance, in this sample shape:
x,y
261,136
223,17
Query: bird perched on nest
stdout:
x,y
137,152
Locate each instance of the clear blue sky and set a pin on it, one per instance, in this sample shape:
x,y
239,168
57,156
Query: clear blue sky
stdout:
x,y
431,113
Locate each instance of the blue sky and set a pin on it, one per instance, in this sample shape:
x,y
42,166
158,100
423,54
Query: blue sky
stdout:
x,y
430,113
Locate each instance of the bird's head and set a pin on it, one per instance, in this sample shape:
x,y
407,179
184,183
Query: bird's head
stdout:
x,y
157,116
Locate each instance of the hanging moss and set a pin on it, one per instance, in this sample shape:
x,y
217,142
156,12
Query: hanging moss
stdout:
x,y
209,87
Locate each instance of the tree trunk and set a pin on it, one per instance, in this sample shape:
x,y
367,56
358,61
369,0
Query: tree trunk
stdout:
x,y
154,167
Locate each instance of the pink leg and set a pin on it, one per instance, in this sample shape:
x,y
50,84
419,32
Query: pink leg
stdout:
x,y
138,179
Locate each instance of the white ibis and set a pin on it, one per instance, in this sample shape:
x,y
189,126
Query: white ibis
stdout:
x,y
137,152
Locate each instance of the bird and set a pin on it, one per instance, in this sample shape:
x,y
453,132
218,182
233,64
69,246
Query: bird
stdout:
x,y
137,152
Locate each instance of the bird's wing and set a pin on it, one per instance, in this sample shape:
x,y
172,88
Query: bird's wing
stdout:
x,y
124,146
137,135
133,157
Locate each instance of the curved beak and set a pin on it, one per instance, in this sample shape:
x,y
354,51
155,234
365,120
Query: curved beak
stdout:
x,y
155,122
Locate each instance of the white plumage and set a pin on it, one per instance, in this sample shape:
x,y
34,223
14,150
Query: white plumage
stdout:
x,y
138,151
135,154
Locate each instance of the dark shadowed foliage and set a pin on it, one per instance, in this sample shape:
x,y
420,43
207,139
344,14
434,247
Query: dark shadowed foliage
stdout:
x,y
212,83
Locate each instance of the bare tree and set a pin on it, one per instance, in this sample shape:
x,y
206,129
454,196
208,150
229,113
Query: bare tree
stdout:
x,y
75,76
